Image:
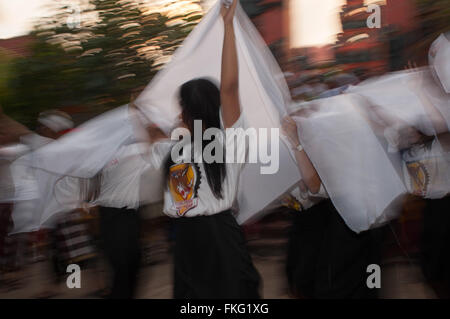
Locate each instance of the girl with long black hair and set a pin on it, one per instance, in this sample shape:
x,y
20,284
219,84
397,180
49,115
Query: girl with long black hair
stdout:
x,y
210,256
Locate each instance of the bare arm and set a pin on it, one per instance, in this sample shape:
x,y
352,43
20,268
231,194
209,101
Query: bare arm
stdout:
x,y
154,133
229,83
307,170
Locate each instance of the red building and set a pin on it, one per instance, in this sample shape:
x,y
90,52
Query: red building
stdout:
x,y
18,46
376,50
402,14
271,18
359,47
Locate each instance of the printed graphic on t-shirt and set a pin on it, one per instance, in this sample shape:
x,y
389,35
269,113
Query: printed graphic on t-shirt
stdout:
x,y
291,202
182,186
420,178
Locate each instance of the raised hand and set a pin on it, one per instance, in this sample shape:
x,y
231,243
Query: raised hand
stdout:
x,y
229,79
155,133
228,12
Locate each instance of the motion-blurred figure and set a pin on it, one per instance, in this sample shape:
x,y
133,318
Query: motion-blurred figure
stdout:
x,y
422,140
326,259
33,188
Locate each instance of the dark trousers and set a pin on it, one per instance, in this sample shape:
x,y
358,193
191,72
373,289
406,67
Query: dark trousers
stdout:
x,y
120,237
211,259
436,244
326,259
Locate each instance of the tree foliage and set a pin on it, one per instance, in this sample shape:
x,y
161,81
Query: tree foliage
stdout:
x,y
434,16
117,46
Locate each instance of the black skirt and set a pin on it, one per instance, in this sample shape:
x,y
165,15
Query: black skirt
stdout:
x,y
326,259
211,259
436,240
120,240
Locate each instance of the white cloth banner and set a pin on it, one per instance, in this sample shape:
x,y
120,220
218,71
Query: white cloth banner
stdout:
x,y
14,185
264,98
406,95
86,150
360,178
263,92
81,153
31,214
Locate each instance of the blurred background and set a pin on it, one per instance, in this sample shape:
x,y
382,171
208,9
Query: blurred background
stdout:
x,y
86,56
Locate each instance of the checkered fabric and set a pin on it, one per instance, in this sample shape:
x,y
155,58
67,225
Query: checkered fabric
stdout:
x,y
73,242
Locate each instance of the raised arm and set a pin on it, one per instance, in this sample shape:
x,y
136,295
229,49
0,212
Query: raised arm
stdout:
x,y
152,131
307,170
229,84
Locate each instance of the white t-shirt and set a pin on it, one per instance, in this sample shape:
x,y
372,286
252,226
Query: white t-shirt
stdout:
x,y
10,187
426,171
121,179
188,193
35,141
33,188
302,200
120,182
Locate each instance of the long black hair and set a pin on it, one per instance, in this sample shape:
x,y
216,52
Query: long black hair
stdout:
x,y
200,100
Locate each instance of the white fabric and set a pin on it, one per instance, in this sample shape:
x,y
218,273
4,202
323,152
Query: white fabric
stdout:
x,y
264,98
439,57
426,170
406,95
86,150
12,152
395,93
55,122
296,199
305,199
37,175
417,99
36,203
432,95
261,83
34,141
24,180
33,194
11,188
360,178
121,182
54,194
188,193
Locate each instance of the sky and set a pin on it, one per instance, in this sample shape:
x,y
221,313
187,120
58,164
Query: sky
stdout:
x,y
313,22
17,16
